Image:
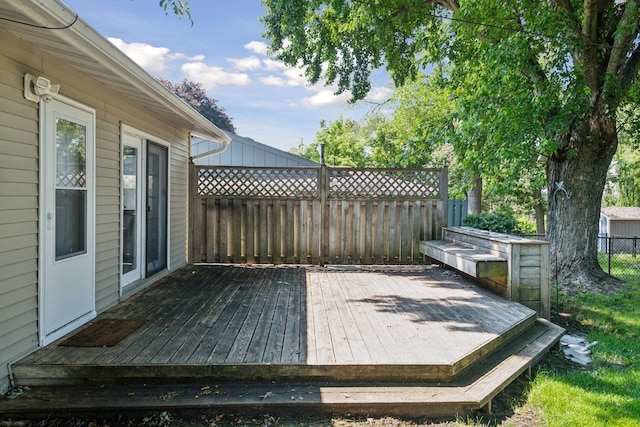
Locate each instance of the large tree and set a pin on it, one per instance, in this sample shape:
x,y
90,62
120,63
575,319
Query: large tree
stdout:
x,y
552,73
195,95
344,142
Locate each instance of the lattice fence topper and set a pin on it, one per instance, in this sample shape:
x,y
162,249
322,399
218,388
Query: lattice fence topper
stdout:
x,y
384,183
71,179
295,183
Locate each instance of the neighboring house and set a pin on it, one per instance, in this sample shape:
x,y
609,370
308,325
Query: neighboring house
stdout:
x,y
243,152
619,222
93,176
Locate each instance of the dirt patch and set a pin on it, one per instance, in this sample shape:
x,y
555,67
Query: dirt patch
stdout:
x,y
598,282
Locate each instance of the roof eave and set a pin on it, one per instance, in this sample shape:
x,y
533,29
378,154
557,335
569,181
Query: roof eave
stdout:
x,y
82,36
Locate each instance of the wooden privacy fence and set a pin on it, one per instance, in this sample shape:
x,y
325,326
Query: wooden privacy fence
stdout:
x,y
314,215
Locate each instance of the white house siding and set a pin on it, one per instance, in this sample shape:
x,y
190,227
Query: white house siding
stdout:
x,y
19,189
18,212
178,202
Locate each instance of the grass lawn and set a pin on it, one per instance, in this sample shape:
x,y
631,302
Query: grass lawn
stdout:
x,y
607,393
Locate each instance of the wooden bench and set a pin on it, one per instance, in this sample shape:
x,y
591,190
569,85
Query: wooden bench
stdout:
x,y
512,266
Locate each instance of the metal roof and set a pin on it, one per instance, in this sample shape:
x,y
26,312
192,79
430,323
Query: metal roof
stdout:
x,y
238,155
55,28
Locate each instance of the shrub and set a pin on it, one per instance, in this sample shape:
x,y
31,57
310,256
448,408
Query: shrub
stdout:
x,y
525,227
492,221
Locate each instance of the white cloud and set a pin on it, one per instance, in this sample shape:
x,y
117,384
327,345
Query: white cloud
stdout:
x,y
273,65
326,97
211,76
250,63
260,48
176,56
295,77
273,81
379,94
152,59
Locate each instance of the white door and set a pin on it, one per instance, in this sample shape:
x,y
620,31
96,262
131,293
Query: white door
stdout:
x,y
67,218
133,209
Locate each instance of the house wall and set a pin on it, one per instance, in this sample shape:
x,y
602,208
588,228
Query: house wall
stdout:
x,y
624,228
19,163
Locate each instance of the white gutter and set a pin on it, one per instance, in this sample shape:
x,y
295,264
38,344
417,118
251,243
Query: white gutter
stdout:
x,y
225,144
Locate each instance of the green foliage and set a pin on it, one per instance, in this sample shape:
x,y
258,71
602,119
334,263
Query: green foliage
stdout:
x,y
178,8
344,41
524,226
195,95
348,142
492,221
628,175
344,144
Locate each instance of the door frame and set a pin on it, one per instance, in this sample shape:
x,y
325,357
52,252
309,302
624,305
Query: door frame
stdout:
x,y
144,138
46,163
126,279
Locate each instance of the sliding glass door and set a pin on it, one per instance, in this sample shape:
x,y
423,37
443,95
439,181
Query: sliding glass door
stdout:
x,y
157,192
144,208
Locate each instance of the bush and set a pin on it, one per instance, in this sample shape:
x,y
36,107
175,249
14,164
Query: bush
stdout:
x,y
492,221
525,227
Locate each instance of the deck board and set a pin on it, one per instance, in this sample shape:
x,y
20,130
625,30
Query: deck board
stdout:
x,y
261,323
293,344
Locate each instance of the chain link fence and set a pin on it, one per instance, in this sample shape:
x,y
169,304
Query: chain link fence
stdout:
x,y
619,256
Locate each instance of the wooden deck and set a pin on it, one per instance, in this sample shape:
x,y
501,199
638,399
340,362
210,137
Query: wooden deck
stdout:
x,y
386,327
299,322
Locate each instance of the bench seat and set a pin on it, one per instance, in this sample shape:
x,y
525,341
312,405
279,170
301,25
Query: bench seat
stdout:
x,y
473,261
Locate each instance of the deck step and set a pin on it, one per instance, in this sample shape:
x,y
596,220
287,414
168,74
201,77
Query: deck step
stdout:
x,y
474,261
41,374
471,391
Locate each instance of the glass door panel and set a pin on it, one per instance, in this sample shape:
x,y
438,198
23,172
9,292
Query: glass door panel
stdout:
x,y
132,246
157,192
71,190
130,205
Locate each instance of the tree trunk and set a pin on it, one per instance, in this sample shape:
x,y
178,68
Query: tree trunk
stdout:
x,y
574,216
475,196
538,210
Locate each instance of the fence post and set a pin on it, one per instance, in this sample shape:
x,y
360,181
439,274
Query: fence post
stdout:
x,y
635,246
444,197
322,192
192,185
609,251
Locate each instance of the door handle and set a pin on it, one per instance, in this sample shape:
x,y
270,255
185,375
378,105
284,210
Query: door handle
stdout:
x,y
50,219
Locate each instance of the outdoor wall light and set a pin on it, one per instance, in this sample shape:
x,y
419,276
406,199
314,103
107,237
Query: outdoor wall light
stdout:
x,y
36,88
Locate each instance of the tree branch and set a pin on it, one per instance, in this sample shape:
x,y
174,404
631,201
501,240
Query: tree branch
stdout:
x,y
623,42
630,70
590,32
567,7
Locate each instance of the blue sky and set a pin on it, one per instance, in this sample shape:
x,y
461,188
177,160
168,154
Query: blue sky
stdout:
x,y
224,51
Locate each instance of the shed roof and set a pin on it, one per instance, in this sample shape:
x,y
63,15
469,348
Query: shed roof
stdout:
x,y
198,146
56,29
621,213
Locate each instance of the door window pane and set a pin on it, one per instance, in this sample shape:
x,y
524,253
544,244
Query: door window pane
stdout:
x,y
71,207
71,154
71,195
129,209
